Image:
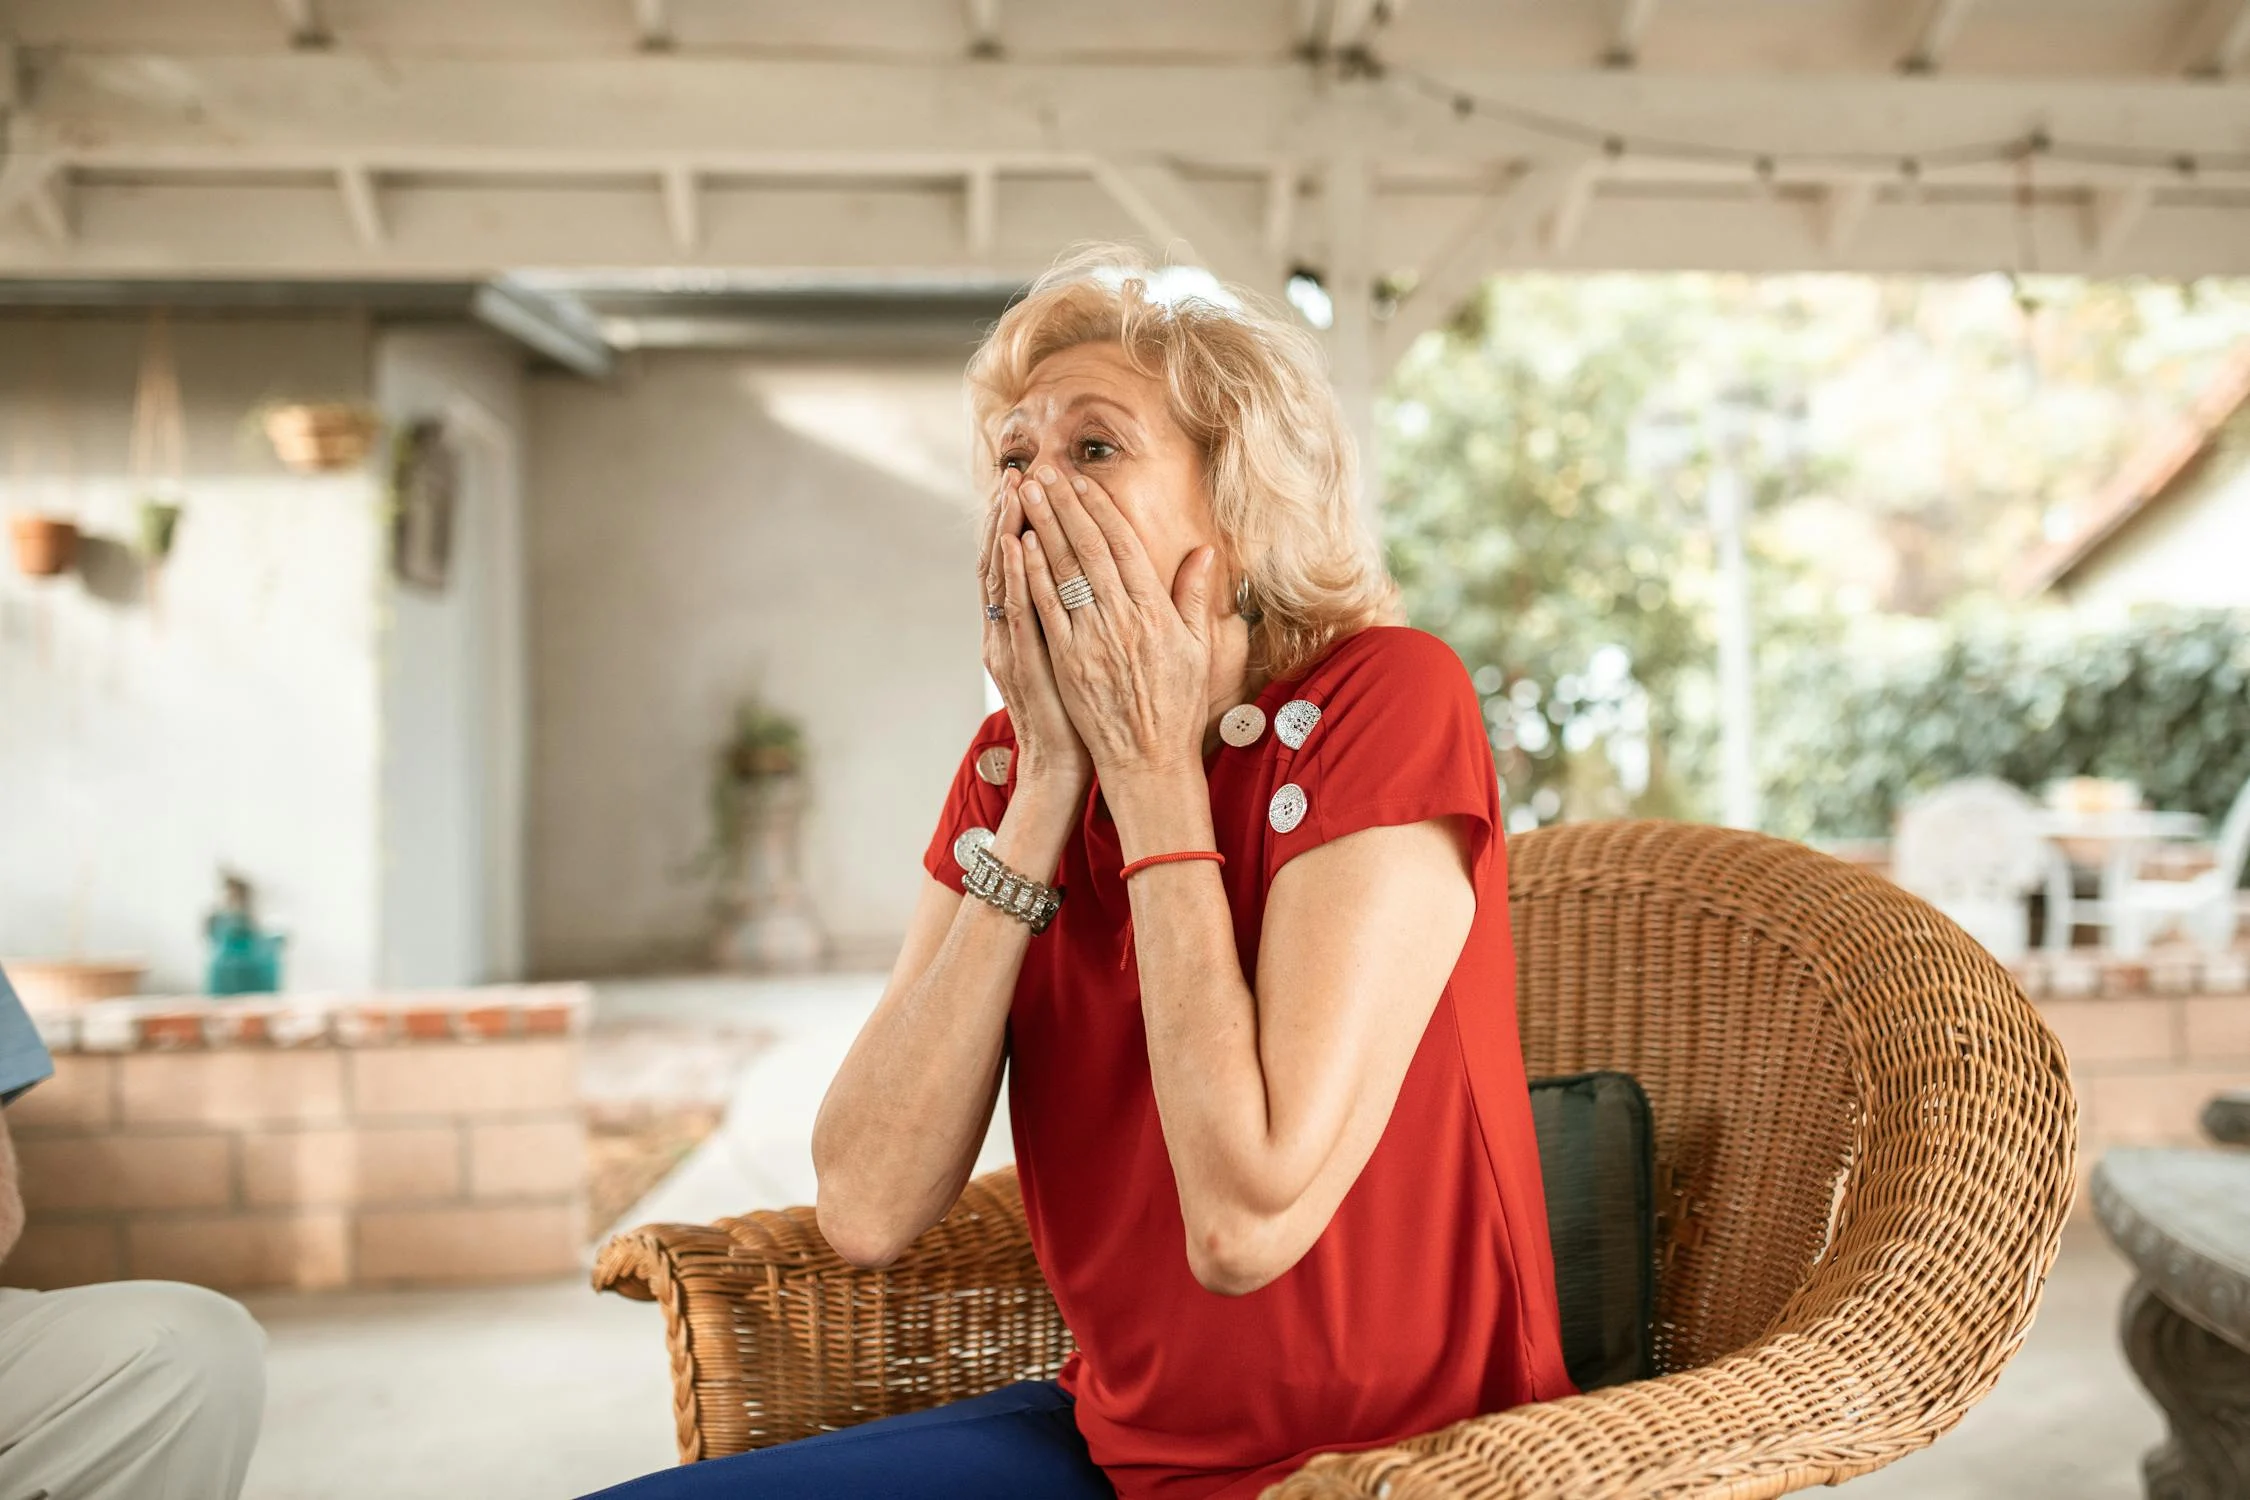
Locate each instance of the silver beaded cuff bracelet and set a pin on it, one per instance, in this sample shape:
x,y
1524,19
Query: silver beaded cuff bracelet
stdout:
x,y
1021,897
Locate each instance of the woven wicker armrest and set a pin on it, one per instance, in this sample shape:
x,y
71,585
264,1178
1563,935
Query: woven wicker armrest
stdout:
x,y
774,1336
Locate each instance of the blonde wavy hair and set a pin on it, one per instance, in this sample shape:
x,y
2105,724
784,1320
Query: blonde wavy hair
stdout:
x,y
1249,387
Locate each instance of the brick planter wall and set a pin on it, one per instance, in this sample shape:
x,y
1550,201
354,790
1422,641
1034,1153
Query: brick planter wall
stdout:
x,y
2150,1042
389,1140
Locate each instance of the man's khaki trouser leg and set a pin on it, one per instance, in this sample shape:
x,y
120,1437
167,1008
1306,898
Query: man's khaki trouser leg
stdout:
x,y
134,1390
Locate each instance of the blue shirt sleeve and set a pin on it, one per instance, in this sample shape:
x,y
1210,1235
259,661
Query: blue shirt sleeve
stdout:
x,y
23,1057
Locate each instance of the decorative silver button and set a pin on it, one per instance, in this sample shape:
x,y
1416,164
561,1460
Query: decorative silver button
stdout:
x,y
992,764
1296,720
1242,724
1287,809
966,846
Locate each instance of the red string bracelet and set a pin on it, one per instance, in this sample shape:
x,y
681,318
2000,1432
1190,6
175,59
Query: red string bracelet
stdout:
x,y
1143,863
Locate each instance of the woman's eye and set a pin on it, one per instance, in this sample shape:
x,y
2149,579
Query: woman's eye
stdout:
x,y
1015,461
1094,450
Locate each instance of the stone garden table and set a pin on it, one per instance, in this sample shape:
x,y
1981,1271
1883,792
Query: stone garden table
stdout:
x,y
2183,1218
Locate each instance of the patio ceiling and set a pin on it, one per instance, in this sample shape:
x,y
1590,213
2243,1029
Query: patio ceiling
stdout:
x,y
1398,146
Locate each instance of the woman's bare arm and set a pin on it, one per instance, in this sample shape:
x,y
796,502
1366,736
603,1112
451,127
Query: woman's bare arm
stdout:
x,y
1273,1097
900,1128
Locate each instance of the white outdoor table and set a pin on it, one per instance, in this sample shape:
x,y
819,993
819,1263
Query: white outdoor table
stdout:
x,y
2124,836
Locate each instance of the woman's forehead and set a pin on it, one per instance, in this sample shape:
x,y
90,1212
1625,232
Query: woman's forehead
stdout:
x,y
1070,377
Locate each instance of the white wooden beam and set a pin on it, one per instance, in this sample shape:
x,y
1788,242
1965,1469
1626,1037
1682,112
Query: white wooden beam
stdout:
x,y
1171,211
982,18
1843,207
1498,232
652,25
2219,39
1279,228
2112,214
362,203
1941,24
1633,17
51,206
307,28
293,229
683,207
735,114
980,209
1568,216
557,328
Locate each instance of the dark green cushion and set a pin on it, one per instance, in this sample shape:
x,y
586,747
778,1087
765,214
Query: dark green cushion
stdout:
x,y
1597,1153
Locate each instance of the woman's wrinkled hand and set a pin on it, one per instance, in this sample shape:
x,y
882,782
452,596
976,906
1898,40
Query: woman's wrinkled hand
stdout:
x,y
1133,667
1049,751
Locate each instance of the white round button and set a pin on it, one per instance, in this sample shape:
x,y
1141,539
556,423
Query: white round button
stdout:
x,y
1241,725
966,846
1295,720
1287,809
992,764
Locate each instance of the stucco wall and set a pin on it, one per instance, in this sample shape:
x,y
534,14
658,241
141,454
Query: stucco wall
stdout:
x,y
454,678
706,525
2190,548
230,720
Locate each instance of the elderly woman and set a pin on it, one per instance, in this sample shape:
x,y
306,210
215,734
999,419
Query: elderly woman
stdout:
x,y
1222,891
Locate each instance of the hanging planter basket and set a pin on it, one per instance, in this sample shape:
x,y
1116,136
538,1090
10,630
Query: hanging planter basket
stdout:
x,y
321,438
45,545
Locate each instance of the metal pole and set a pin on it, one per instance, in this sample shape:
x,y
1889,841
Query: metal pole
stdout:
x,y
1737,705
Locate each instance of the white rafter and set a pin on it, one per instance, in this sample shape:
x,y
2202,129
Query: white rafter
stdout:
x,y
1280,223
50,205
1499,230
652,25
2222,37
1568,216
1170,211
982,18
305,24
1843,208
362,204
1941,23
2112,216
980,210
683,207
1625,35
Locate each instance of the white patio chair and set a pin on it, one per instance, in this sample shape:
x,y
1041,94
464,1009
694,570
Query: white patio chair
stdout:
x,y
2205,906
1972,848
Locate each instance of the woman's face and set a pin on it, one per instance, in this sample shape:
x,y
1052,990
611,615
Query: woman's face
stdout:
x,y
1087,411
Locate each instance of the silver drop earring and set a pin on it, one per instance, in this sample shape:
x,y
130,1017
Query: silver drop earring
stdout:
x,y
1242,605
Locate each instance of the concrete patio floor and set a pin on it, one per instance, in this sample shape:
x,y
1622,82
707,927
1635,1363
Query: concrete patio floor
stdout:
x,y
548,1391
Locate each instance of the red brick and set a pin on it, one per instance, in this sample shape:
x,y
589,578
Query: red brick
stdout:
x,y
488,1022
513,1243
547,1020
241,1250
428,1024
59,1253
173,1029
76,1173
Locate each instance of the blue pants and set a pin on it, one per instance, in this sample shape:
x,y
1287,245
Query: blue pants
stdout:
x,y
1020,1440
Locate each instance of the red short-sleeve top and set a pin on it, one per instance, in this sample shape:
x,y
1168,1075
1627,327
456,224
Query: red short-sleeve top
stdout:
x,y
1430,1296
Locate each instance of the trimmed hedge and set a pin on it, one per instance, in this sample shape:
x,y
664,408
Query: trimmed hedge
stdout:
x,y
2162,700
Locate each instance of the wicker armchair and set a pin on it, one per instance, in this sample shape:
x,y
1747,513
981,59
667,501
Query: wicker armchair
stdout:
x,y
1864,1140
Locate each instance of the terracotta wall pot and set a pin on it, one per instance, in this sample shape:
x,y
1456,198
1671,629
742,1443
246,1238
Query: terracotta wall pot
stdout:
x,y
322,438
45,984
44,545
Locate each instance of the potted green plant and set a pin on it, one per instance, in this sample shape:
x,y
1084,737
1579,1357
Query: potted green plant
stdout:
x,y
758,805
